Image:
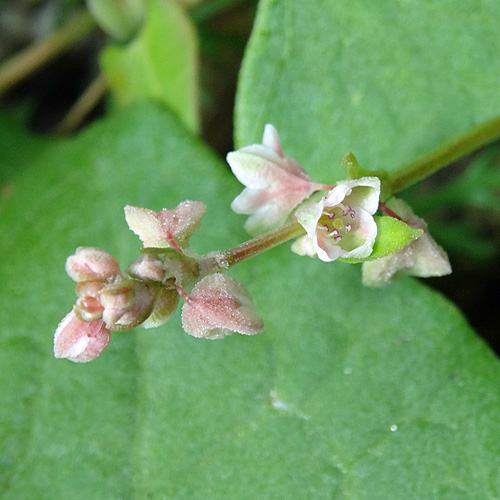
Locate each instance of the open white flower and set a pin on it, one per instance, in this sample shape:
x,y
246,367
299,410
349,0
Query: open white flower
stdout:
x,y
275,184
341,224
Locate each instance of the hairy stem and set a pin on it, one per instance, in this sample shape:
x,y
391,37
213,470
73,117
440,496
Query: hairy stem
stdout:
x,y
42,51
441,157
228,258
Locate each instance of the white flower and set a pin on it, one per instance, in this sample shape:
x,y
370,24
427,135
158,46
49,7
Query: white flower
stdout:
x,y
341,224
275,184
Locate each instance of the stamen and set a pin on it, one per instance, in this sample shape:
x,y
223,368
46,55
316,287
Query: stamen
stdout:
x,y
353,214
326,227
337,237
347,227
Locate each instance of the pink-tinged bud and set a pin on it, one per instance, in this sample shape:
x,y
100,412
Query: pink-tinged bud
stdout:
x,y
88,305
80,341
116,299
217,307
167,228
147,267
91,264
140,308
127,303
422,258
164,307
275,184
88,308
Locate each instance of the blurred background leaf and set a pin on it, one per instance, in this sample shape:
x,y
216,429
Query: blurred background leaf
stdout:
x,y
388,81
161,63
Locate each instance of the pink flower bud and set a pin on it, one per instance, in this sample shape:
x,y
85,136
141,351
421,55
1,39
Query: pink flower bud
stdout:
x,y
91,264
147,267
217,307
127,303
80,341
422,258
164,307
275,184
167,228
116,299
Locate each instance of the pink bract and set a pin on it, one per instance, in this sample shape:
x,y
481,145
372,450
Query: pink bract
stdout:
x,y
166,228
218,306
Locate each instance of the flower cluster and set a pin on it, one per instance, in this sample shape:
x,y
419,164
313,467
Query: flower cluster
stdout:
x,y
148,292
341,224
337,222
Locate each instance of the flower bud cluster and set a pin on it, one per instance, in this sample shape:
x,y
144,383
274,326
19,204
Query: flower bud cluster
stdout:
x,y
148,292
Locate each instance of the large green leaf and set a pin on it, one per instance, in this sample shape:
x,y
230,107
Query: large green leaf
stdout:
x,y
17,147
308,409
387,80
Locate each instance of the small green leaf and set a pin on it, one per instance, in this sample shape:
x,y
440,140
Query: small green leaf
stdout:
x,y
120,18
392,235
161,63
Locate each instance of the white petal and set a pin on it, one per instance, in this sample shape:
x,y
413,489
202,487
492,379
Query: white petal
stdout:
x,y
271,140
253,167
304,246
365,193
367,231
249,201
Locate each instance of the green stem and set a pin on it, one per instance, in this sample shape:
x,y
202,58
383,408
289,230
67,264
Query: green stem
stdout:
x,y
225,259
441,157
30,59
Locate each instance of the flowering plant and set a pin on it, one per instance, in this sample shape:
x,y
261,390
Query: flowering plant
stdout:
x,y
340,225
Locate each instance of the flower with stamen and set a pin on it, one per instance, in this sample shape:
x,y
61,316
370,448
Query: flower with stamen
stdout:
x,y
341,224
217,306
275,184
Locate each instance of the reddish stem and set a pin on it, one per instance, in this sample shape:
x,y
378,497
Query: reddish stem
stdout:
x,y
388,211
182,292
